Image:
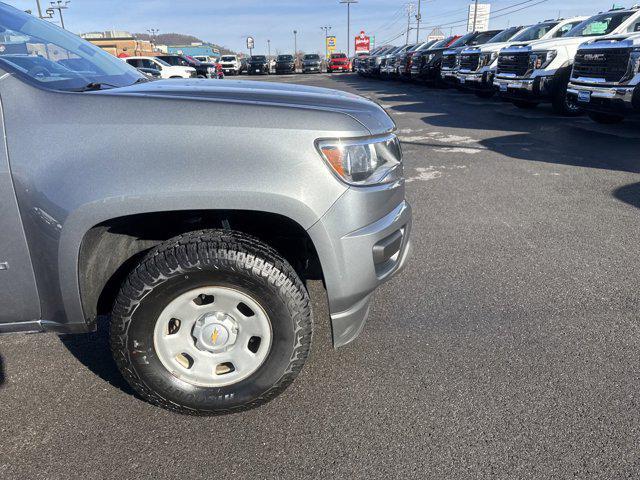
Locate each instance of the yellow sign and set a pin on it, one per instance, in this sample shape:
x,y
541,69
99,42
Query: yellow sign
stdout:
x,y
331,44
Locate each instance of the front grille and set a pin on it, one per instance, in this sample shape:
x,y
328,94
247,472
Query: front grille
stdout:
x,y
470,61
449,61
611,65
514,63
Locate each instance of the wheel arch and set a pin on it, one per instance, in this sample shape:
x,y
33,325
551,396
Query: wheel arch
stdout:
x,y
110,250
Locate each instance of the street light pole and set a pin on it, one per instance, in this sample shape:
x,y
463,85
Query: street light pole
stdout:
x,y
418,18
295,48
40,9
60,5
349,2
326,35
269,49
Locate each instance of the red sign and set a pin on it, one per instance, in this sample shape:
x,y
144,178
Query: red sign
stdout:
x,y
363,43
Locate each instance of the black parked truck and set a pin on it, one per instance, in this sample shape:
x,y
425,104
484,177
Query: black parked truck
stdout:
x,y
258,65
311,63
285,64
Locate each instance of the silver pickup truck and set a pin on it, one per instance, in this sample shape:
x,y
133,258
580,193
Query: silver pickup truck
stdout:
x,y
191,213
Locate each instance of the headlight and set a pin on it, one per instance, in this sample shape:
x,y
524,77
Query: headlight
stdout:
x,y
368,161
540,60
430,57
487,59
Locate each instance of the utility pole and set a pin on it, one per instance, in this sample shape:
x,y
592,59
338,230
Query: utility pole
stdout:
x,y
60,5
39,9
326,35
418,18
475,16
269,50
409,12
153,32
348,3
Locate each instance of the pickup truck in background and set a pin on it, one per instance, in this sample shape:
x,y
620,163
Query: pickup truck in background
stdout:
x,y
194,238
605,81
231,64
478,65
451,56
532,73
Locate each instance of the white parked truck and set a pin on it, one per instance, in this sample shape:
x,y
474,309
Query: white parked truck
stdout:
x,y
478,64
231,64
529,74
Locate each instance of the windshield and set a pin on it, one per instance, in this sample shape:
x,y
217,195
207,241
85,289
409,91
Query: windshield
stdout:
x,y
534,32
598,25
462,41
285,58
258,58
312,57
338,55
441,43
425,45
228,59
40,52
505,35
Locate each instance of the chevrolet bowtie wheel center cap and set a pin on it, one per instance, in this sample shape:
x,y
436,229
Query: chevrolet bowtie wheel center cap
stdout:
x,y
215,332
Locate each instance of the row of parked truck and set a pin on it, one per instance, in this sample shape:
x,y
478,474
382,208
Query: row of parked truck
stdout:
x,y
580,64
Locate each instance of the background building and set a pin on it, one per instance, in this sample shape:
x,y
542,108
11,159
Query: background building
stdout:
x,y
479,18
196,49
119,43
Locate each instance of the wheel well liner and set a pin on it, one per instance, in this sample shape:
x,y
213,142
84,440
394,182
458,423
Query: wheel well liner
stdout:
x,y
111,249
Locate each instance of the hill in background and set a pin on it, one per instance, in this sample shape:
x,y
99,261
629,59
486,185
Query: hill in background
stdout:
x,y
179,39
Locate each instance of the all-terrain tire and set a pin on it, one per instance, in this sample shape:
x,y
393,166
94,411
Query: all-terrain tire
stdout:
x,y
210,258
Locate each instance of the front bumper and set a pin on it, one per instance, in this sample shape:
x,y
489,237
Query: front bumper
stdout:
x,y
623,100
476,81
359,250
311,68
338,68
538,89
449,76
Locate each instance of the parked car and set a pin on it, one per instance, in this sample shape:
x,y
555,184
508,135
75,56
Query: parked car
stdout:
x,y
451,56
152,73
285,64
375,59
405,60
231,64
426,64
606,78
388,61
339,62
196,254
258,65
311,63
166,70
540,71
357,60
203,70
478,64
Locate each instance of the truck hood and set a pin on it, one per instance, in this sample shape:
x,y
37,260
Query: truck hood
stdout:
x,y
613,41
256,94
553,43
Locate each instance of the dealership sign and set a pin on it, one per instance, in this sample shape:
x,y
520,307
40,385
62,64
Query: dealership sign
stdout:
x,y
331,44
363,43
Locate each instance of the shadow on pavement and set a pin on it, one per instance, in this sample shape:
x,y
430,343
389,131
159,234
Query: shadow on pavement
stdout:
x,y
629,194
537,135
94,352
2,377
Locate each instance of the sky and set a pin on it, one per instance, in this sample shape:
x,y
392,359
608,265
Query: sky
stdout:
x,y
228,23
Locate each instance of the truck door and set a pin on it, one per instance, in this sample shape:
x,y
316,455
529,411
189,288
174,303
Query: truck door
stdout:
x,y
19,300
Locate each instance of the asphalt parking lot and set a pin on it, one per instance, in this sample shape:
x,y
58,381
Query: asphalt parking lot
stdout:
x,y
508,348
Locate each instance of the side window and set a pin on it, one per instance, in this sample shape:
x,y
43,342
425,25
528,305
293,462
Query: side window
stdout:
x,y
134,62
634,27
155,65
564,29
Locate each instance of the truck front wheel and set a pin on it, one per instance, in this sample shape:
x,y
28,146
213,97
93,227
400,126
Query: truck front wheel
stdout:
x,y
211,322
